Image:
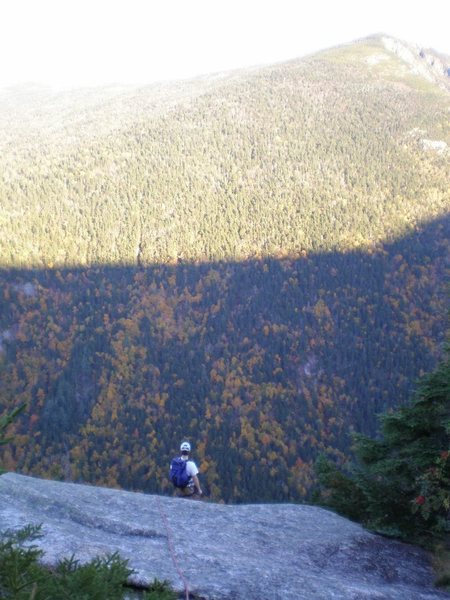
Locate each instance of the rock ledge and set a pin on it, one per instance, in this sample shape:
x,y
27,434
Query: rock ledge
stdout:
x,y
244,552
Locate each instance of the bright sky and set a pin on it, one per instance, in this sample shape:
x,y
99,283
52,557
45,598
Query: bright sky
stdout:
x,y
90,42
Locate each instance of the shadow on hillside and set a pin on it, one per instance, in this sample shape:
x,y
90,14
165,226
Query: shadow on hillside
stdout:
x,y
270,360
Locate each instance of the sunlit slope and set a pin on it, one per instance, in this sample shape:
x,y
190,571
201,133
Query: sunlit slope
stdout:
x,y
343,149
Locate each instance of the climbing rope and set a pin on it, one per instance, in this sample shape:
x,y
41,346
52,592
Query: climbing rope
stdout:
x,y
171,547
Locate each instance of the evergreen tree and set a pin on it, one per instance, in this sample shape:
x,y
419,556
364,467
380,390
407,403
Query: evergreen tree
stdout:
x,y
5,421
400,484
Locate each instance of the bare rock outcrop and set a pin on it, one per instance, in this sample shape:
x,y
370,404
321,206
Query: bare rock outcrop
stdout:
x,y
427,63
243,552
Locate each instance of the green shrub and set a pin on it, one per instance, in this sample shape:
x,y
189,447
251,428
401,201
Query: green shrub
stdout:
x,y
400,483
23,578
20,572
160,590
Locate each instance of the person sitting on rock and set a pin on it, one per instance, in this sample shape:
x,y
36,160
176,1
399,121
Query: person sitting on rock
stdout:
x,y
184,473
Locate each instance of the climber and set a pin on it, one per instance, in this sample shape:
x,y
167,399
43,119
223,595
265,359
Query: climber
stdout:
x,y
184,473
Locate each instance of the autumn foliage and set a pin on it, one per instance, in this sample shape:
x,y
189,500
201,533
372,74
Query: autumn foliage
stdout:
x,y
262,364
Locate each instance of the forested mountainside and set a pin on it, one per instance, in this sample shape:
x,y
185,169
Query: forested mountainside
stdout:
x,y
255,261
340,150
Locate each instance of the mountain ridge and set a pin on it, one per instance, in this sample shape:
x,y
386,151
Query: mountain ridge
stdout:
x,y
429,55
279,162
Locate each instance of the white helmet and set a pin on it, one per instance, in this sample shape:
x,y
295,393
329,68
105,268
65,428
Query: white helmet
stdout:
x,y
185,447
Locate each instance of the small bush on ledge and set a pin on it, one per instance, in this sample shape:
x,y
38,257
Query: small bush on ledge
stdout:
x,y
23,578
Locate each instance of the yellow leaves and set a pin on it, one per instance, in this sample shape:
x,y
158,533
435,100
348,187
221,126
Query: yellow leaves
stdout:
x,y
213,276
200,449
395,302
265,439
215,377
279,328
215,308
236,402
241,349
209,470
130,326
321,310
52,342
299,464
247,455
53,327
255,360
415,328
216,492
160,399
111,393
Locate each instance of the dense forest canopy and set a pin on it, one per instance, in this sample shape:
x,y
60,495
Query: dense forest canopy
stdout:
x,y
256,261
321,154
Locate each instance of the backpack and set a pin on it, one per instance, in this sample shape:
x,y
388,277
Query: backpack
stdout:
x,y
177,472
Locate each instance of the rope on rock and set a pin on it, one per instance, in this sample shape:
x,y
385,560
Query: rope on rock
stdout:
x,y
171,547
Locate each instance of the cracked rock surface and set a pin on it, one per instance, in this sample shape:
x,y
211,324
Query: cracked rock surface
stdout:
x,y
224,552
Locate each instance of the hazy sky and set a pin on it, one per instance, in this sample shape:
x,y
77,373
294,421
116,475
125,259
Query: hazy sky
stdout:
x,y
88,42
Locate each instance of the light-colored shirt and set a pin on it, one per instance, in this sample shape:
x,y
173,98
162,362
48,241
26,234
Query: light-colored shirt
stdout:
x,y
191,467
